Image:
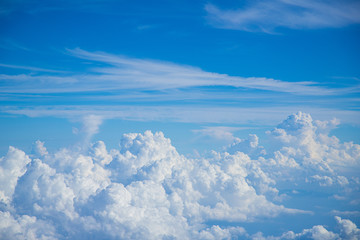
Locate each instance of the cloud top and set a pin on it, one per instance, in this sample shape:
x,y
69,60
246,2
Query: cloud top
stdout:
x,y
146,189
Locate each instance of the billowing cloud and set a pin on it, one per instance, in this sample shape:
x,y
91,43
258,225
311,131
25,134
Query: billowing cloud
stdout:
x,y
346,230
267,16
12,166
145,189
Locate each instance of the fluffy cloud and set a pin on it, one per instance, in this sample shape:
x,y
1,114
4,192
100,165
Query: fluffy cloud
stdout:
x,y
25,228
347,231
12,166
145,189
303,143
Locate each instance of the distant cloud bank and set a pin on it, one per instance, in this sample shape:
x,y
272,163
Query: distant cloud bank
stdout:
x,y
147,190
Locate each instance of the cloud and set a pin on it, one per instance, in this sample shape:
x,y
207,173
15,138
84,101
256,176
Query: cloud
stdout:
x,y
115,86
91,124
12,167
249,146
158,75
25,227
216,232
317,232
194,114
346,213
39,149
268,16
35,69
348,231
146,189
124,73
218,132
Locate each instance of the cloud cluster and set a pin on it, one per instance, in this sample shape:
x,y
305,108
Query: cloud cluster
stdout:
x,y
266,16
347,230
305,144
146,190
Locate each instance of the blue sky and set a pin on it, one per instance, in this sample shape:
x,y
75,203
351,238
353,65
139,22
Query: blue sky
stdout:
x,y
205,73
256,64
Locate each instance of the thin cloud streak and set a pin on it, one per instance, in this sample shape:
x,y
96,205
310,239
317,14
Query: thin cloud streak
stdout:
x,y
157,75
266,16
35,69
125,73
186,114
224,133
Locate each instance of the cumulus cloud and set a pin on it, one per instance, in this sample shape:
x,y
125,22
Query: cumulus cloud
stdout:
x,y
303,142
267,16
347,231
317,232
145,189
25,228
12,166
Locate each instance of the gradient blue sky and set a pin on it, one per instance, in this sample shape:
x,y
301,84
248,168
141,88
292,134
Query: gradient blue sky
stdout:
x,y
209,67
203,72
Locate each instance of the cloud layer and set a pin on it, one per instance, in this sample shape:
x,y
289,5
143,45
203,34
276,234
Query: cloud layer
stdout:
x,y
266,16
115,86
147,190
116,73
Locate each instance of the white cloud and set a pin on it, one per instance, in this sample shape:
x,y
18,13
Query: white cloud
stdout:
x,y
249,146
218,132
25,228
12,167
91,124
34,69
345,213
348,229
302,139
130,73
195,114
317,233
216,232
147,190
267,16
39,149
124,73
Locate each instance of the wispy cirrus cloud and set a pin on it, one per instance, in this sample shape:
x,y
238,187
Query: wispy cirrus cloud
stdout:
x,y
124,73
181,113
266,16
30,68
159,75
113,86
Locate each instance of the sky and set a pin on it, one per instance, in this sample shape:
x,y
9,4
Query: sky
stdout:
x,y
179,119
